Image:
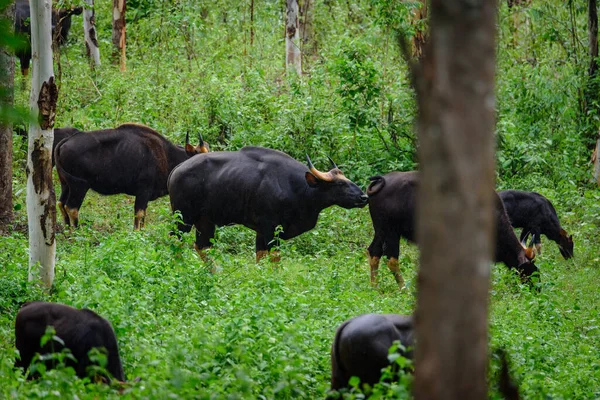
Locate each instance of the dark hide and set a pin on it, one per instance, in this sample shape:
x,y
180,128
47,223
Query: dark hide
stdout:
x,y
536,215
61,24
259,188
392,201
81,331
59,135
131,159
361,347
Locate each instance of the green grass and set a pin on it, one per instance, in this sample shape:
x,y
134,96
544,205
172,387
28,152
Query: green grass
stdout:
x,y
263,331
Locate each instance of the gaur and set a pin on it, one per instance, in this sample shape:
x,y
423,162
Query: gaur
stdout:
x,y
80,330
259,188
392,200
537,216
132,159
362,344
61,24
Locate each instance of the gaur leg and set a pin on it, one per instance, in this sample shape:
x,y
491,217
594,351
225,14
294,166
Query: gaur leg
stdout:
x,y
76,193
64,195
264,244
141,203
375,252
392,251
205,231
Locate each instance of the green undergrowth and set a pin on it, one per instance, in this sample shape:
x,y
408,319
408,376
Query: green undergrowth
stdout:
x,y
265,331
255,331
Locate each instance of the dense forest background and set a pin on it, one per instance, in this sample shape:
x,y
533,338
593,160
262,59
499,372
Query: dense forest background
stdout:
x,y
258,331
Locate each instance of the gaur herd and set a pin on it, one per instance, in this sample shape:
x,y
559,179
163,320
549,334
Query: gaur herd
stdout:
x,y
265,190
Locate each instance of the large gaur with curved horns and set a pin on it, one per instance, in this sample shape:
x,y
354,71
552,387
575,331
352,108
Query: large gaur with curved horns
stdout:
x,y
392,202
132,159
259,188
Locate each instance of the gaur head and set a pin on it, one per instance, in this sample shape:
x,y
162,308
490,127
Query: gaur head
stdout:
x,y
336,187
565,244
193,150
530,250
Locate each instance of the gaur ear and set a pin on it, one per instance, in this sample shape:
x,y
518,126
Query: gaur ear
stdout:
x,y
311,179
563,232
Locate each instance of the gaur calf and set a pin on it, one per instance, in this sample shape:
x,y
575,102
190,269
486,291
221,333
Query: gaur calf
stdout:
x,y
80,330
260,188
132,159
362,344
392,202
537,216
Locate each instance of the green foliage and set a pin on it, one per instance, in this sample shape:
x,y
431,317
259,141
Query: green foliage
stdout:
x,y
262,330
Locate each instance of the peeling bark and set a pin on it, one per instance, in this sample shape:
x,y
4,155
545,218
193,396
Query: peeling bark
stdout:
x,y
7,75
41,200
89,33
293,58
455,94
118,33
420,36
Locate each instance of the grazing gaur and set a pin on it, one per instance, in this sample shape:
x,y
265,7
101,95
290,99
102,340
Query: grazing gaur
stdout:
x,y
259,188
537,216
80,330
392,200
61,24
132,159
362,344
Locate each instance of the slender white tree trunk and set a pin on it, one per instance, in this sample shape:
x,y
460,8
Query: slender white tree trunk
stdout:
x,y
89,32
41,202
293,58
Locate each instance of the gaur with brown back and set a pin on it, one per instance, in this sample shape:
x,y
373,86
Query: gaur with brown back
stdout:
x,y
361,347
392,203
80,330
132,159
537,216
259,188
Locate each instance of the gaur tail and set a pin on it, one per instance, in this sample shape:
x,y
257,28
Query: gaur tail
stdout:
x,y
507,387
377,183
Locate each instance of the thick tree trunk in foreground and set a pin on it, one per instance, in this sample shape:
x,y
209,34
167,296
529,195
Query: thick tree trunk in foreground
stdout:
x,y
7,77
118,33
293,58
41,202
89,33
455,90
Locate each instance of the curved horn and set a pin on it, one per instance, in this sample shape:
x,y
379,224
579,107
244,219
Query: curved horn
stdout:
x,y
318,174
187,138
333,165
200,140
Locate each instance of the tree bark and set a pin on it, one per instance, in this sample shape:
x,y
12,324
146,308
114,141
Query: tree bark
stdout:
x,y
596,162
41,201
118,33
307,31
455,91
7,76
89,33
251,23
420,36
293,59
